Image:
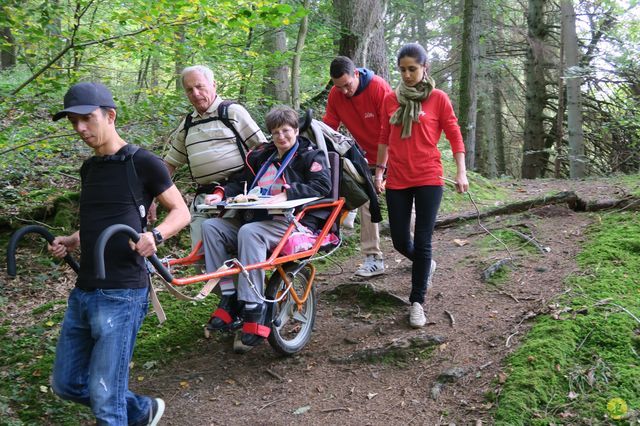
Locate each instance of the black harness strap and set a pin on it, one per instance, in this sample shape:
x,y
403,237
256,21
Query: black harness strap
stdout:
x,y
133,181
135,184
223,116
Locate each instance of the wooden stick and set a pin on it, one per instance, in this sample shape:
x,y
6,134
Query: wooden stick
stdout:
x,y
271,403
451,318
510,295
330,410
483,366
274,374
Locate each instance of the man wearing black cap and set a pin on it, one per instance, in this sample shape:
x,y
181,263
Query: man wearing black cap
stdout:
x,y
103,316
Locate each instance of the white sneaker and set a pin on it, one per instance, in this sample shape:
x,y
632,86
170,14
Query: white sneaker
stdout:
x,y
350,220
431,271
417,319
371,267
156,412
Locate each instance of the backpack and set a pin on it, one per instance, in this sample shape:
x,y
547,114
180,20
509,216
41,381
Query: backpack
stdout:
x,y
135,184
356,185
223,116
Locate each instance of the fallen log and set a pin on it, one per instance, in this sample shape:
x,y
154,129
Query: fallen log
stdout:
x,y
627,203
518,207
572,200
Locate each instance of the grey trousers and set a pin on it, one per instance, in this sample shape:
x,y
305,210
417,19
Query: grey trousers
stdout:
x,y
252,241
197,217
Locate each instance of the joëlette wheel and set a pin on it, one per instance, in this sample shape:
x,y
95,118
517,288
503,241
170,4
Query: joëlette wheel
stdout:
x,y
291,327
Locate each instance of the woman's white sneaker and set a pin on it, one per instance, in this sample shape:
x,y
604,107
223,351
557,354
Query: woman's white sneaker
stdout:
x,y
417,319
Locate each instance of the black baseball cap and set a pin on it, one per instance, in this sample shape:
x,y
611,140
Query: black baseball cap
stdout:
x,y
84,98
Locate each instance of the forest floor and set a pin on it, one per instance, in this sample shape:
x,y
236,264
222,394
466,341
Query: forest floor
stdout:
x,y
335,380
457,382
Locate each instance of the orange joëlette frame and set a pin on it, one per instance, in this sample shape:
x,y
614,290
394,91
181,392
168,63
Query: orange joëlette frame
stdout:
x,y
275,260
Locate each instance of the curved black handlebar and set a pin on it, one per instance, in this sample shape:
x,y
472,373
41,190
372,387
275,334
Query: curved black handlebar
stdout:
x,y
17,236
98,254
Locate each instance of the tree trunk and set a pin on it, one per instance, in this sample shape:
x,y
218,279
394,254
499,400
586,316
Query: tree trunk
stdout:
x,y
468,81
7,49
155,68
362,33
247,76
276,80
501,166
179,62
534,158
377,53
453,29
421,24
297,56
142,76
577,160
482,155
559,145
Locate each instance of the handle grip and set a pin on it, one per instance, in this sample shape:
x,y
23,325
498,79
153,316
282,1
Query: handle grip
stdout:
x,y
98,254
36,229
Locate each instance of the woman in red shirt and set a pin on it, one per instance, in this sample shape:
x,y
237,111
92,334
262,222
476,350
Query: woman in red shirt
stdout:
x,y
415,115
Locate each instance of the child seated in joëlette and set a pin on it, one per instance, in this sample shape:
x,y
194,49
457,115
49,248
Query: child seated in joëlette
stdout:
x,y
289,168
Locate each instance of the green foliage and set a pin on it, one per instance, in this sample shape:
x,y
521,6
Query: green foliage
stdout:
x,y
135,48
179,335
26,358
573,366
481,189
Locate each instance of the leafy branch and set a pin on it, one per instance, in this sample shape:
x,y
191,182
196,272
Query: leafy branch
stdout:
x,y
71,44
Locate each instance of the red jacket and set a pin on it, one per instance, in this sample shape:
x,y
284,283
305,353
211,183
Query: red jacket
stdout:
x,y
415,161
361,115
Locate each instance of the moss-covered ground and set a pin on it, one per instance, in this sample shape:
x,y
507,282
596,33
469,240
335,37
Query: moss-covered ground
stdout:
x,y
577,369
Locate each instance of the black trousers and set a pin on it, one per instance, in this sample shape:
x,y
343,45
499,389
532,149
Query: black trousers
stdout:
x,y
399,204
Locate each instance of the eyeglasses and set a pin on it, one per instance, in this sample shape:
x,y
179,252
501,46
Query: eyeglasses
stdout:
x,y
282,132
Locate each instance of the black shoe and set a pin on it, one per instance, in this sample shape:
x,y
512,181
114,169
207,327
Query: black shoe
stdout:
x,y
254,329
226,315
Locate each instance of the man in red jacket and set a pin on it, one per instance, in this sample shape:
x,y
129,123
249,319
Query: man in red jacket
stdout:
x,y
355,101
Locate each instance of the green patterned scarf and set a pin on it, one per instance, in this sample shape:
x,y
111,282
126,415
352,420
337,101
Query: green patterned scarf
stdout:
x,y
410,100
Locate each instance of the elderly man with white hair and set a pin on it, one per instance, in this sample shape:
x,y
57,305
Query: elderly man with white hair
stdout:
x,y
212,140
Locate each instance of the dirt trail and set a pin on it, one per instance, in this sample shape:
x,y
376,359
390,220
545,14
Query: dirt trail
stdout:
x,y
220,387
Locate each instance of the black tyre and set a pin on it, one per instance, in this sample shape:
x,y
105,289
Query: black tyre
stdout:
x,y
291,327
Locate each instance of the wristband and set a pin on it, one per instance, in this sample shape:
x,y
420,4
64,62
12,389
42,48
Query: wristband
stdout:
x,y
380,166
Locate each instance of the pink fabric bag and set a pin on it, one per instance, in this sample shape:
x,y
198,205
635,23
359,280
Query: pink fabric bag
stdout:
x,y
301,241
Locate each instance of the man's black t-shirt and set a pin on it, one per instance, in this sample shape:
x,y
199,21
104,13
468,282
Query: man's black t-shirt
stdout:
x,y
105,200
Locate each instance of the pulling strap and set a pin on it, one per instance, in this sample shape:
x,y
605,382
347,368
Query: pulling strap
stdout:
x,y
204,292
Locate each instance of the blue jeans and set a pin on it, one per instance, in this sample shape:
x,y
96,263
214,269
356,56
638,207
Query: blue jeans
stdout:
x,y
94,350
399,203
